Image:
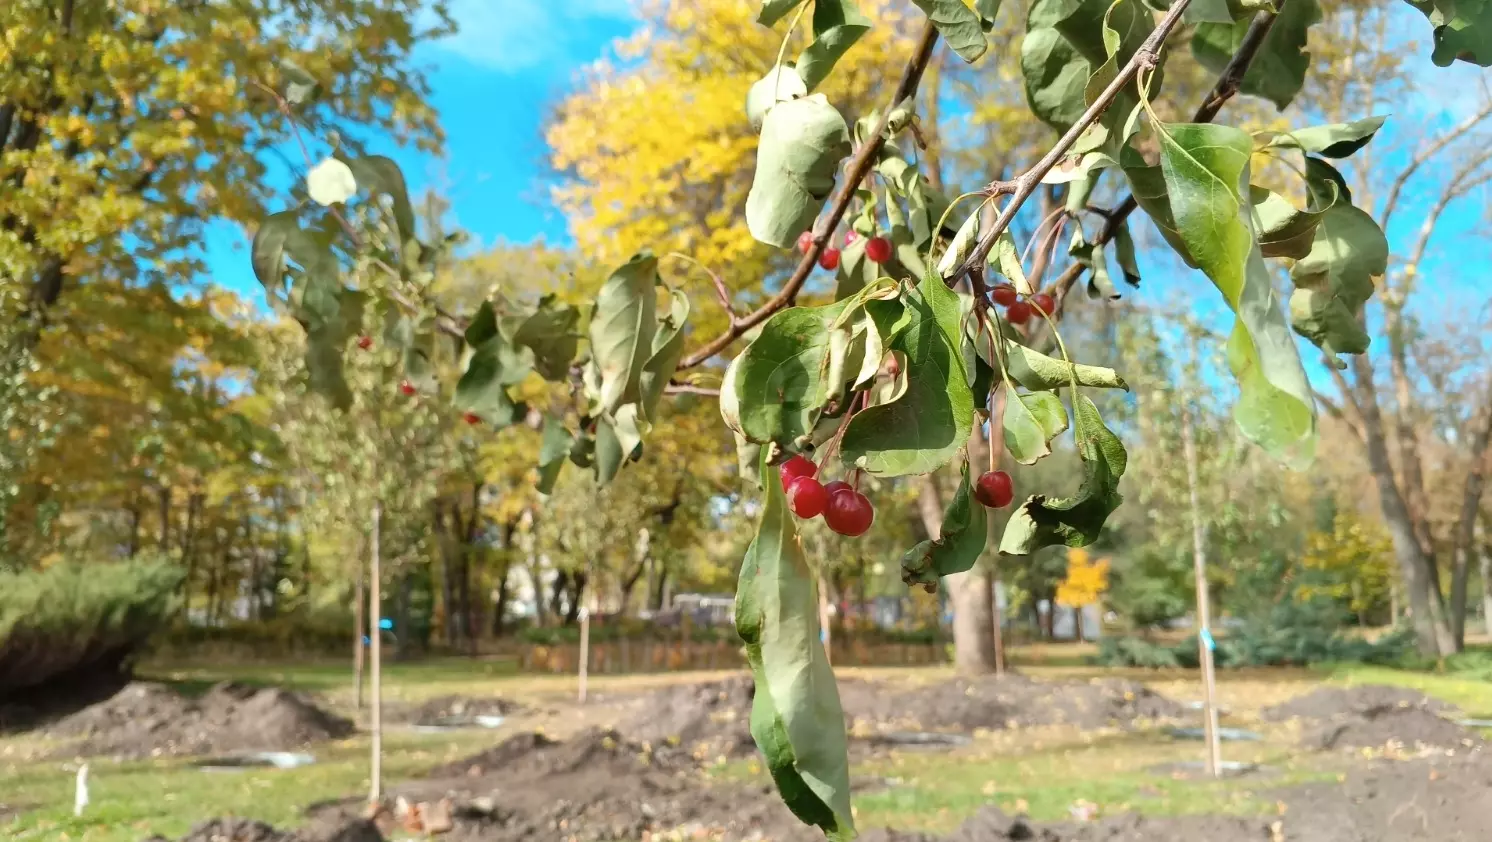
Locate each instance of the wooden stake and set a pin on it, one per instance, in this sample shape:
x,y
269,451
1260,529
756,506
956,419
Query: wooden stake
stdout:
x,y
585,650
375,614
1204,621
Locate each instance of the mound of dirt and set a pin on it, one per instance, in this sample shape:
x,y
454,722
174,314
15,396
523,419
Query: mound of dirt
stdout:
x,y
244,830
709,719
1330,702
1411,728
1008,701
146,719
458,707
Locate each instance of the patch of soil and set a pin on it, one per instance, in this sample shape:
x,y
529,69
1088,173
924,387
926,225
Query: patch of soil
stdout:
x,y
1329,702
244,830
1412,728
146,719
448,707
709,719
1008,701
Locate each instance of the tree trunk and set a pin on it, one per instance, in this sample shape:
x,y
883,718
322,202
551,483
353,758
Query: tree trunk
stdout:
x,y
164,540
500,607
447,583
575,591
1484,567
1471,502
134,513
359,630
1432,632
969,592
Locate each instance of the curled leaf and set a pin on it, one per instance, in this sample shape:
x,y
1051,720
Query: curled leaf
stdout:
x,y
802,143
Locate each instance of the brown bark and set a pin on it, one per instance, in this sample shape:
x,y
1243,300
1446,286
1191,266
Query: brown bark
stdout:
x,y
1431,631
973,645
359,629
1484,567
1471,502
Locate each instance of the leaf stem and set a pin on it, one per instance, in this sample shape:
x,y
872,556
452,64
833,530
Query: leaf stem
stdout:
x,y
865,158
721,292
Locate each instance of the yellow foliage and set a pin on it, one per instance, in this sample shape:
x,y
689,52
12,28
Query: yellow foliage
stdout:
x,y
1358,557
1086,580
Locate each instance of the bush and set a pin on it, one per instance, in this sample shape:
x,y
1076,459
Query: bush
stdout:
x,y
1135,652
80,620
1252,646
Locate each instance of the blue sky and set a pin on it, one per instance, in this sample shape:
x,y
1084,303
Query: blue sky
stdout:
x,y
492,84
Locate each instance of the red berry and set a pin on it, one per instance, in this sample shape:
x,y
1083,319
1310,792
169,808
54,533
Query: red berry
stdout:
x,y
837,486
472,418
830,258
1043,302
878,249
994,489
806,497
849,513
1004,295
365,342
407,387
805,241
798,466
1018,313
850,236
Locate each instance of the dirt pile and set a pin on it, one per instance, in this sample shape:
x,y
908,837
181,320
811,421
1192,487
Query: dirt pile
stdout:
x,y
444,708
244,830
146,719
709,719
1008,701
1409,728
1332,702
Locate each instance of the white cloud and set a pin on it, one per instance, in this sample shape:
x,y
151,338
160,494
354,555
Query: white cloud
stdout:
x,y
515,35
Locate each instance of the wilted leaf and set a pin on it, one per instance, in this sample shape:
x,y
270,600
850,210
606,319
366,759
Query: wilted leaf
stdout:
x,y
1040,373
551,333
1278,71
668,349
1334,140
802,143
959,26
621,332
1031,422
782,83
1073,521
1283,230
775,385
1334,281
1463,30
958,546
796,718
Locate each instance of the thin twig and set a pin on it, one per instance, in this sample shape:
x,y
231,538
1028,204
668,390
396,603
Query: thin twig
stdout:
x,y
1022,188
859,167
721,293
690,389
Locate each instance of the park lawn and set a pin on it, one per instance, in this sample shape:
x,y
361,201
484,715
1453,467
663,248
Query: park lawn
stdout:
x,y
1039,771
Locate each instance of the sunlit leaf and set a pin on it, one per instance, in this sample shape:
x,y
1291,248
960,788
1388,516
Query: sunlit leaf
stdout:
x,y
802,143
964,534
1073,521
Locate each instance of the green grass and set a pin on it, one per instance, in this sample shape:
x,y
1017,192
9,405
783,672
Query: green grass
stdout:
x,y
408,681
1470,694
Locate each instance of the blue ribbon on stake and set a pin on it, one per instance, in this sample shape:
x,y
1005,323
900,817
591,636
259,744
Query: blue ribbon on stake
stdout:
x,y
1208,641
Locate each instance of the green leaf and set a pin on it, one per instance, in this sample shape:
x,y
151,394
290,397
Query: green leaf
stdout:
x,y
1461,32
1073,521
554,447
299,86
1208,11
324,366
1148,185
494,365
268,251
781,84
1334,280
608,454
1007,261
923,430
796,718
1055,75
1207,171
960,543
1334,140
1031,422
483,325
382,177
668,349
1283,230
1278,71
775,10
621,331
775,387
801,145
960,246
837,25
1037,372
959,26
987,10
1124,252
551,333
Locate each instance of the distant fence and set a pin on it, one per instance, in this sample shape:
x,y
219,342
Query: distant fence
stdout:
x,y
640,656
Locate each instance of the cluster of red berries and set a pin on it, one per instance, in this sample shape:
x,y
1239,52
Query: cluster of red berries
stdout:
x,y
994,489
1018,312
878,249
845,510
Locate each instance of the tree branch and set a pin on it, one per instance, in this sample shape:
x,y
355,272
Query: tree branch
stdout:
x,y
1423,157
1145,57
1224,89
860,166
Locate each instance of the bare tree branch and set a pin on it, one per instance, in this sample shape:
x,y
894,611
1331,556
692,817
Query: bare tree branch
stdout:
x,y
1420,159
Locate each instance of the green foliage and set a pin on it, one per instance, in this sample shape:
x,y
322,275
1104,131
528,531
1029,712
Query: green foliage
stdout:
x,y
837,25
964,534
1463,31
801,146
1278,72
1073,521
77,617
